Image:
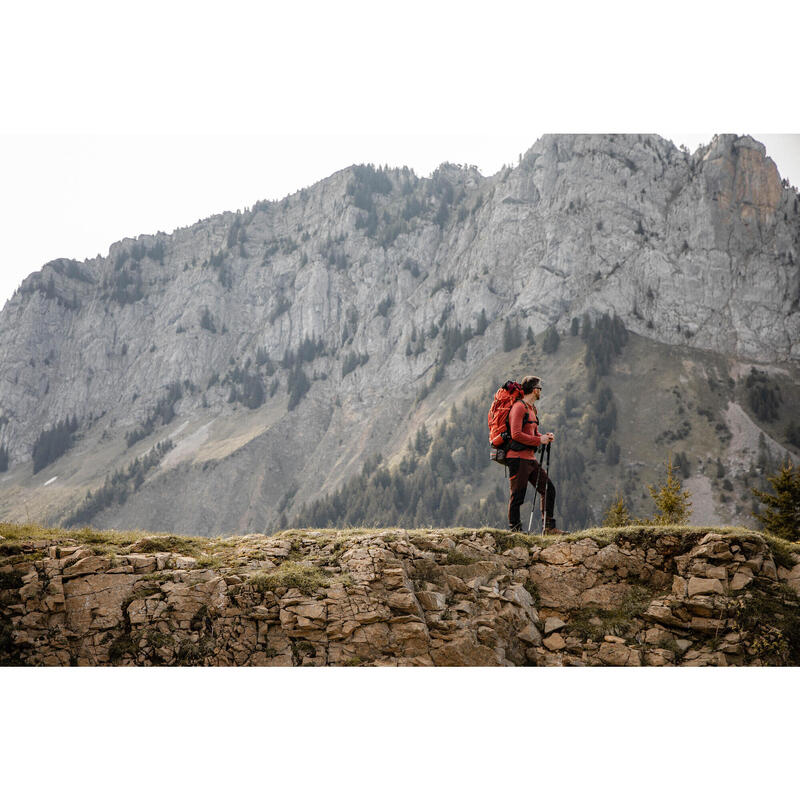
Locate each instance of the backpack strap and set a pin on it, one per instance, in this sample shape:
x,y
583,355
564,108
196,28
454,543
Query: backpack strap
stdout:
x,y
512,444
508,418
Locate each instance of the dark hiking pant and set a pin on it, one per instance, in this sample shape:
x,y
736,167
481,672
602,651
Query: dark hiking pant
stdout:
x,y
521,473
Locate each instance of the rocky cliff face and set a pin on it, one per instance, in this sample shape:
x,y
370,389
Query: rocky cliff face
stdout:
x,y
351,282
624,597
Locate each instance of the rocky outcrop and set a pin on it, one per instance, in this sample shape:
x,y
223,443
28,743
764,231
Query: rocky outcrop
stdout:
x,y
632,597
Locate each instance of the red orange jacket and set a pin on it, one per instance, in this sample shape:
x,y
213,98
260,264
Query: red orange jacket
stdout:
x,y
524,432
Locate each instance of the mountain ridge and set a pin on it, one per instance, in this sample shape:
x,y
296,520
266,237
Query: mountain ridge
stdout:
x,y
355,280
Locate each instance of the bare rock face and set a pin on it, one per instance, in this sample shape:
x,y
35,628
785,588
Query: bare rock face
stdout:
x,y
346,279
397,598
745,185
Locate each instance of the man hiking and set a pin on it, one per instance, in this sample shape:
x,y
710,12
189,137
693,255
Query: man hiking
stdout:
x,y
523,420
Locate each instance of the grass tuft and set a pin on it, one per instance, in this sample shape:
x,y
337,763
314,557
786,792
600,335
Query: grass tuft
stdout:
x,y
456,557
210,562
290,575
619,621
505,540
783,551
771,615
170,543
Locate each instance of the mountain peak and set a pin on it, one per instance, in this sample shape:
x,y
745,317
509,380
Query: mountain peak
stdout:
x,y
363,298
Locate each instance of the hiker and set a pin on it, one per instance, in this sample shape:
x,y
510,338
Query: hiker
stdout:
x,y
523,420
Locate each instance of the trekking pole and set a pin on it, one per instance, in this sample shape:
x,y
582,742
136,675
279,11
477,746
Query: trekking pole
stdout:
x,y
533,501
533,506
546,486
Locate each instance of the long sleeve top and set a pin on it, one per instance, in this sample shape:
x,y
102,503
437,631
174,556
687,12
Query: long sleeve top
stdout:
x,y
524,431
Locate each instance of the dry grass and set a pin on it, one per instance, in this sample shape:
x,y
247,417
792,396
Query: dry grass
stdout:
x,y
19,538
24,540
291,574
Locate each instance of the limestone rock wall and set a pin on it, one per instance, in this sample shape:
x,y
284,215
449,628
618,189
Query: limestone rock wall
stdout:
x,y
465,598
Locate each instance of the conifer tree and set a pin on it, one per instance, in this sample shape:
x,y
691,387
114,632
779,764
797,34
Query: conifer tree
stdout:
x,y
298,386
512,336
673,503
782,515
612,453
617,515
551,340
422,442
586,327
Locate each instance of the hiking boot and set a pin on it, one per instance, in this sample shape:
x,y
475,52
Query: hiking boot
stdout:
x,y
551,530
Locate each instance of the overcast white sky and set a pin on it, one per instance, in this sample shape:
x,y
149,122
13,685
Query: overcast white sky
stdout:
x,y
118,123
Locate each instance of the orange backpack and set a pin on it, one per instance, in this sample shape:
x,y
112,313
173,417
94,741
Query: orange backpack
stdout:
x,y
499,434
